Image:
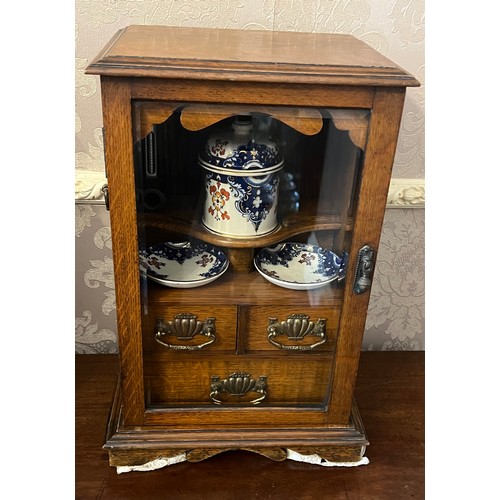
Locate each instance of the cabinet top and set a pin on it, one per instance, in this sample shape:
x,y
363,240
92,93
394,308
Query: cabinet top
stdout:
x,y
246,55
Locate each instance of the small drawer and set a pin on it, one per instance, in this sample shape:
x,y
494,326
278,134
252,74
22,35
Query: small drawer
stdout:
x,y
291,329
189,329
238,381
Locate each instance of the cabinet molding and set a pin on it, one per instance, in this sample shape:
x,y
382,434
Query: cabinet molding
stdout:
x,y
406,193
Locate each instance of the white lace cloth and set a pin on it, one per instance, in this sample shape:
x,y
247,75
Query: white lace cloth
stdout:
x,y
317,460
153,465
291,455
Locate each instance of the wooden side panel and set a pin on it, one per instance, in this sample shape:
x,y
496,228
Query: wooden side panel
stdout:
x,y
120,171
376,175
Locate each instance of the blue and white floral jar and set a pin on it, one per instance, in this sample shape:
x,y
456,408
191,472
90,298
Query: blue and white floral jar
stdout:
x,y
241,182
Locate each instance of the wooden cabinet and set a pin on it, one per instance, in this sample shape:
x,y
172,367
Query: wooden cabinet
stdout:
x,y
259,348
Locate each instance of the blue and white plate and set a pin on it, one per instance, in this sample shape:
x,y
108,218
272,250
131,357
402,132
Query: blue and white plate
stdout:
x,y
299,266
183,265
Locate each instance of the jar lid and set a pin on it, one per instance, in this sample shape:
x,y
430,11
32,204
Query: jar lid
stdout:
x,y
240,149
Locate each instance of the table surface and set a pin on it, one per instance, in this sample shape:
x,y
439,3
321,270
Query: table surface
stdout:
x,y
390,396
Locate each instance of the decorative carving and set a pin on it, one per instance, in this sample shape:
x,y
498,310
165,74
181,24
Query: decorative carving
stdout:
x,y
152,113
354,122
406,193
276,454
88,186
199,116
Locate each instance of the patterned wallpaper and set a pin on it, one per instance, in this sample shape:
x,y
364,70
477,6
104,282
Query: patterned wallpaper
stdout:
x,y
394,27
95,285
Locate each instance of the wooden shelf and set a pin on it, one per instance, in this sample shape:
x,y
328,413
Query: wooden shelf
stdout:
x,y
240,289
304,221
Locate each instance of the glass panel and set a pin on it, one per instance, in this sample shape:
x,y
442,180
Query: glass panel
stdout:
x,y
244,221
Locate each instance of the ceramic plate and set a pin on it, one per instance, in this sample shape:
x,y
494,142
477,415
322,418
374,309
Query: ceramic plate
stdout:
x,y
299,266
183,265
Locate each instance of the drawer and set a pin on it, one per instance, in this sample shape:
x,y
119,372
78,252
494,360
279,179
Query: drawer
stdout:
x,y
290,328
235,380
189,329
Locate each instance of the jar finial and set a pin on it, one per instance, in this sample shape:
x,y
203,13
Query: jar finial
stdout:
x,y
242,124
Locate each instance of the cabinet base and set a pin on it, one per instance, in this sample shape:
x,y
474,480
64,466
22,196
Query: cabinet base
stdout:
x,y
148,447
340,457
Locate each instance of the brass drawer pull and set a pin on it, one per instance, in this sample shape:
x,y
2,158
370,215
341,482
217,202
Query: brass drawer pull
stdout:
x,y
296,327
185,327
238,384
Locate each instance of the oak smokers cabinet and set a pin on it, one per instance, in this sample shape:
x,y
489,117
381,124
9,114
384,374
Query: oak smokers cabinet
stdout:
x,y
232,338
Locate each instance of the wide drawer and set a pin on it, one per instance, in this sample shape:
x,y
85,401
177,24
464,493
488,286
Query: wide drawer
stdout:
x,y
237,380
176,328
289,328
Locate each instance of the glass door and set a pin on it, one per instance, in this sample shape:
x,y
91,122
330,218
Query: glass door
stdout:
x,y
245,216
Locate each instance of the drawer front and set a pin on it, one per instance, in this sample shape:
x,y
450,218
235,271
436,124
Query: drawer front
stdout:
x,y
238,381
291,329
184,329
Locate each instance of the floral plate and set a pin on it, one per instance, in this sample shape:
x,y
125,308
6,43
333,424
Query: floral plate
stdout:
x,y
299,266
183,265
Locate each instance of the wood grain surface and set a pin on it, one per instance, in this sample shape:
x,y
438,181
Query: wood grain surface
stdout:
x,y
252,288
196,117
375,179
225,327
390,394
120,173
308,218
199,53
186,380
256,331
289,93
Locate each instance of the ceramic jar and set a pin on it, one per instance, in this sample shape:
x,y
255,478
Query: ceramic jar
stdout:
x,y
241,181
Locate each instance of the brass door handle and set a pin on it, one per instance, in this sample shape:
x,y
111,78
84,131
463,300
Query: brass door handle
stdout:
x,y
296,327
237,385
185,326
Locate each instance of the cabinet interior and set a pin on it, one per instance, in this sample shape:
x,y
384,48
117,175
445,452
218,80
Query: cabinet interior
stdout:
x,y
323,152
